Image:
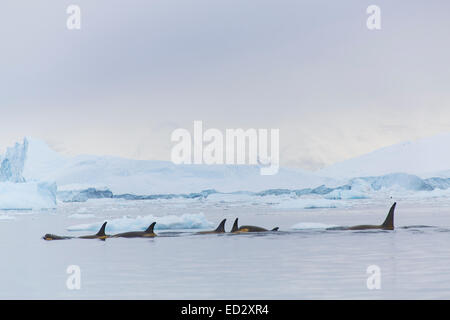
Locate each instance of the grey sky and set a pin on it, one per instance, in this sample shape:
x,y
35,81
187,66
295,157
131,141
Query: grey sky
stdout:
x,y
139,69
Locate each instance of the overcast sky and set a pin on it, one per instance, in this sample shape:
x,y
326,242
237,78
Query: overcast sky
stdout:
x,y
137,70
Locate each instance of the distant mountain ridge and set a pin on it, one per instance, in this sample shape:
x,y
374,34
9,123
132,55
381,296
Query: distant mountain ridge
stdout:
x,y
425,157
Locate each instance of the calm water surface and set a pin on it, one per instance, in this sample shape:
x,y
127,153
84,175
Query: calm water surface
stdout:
x,y
303,264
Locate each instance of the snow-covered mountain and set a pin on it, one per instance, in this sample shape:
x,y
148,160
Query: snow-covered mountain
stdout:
x,y
426,157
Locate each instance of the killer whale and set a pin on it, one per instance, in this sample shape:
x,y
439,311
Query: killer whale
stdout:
x,y
99,235
138,234
242,229
219,229
388,223
50,236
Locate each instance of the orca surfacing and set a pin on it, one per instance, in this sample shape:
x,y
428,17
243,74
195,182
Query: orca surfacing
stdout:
x,y
99,235
388,223
148,233
242,229
219,229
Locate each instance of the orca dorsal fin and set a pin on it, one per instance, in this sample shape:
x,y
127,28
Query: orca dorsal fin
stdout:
x,y
221,227
101,232
275,229
389,222
235,226
150,228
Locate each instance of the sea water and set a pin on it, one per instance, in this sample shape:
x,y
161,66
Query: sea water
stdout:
x,y
308,262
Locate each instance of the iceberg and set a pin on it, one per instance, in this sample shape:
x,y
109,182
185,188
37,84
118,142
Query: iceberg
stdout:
x,y
307,203
84,195
33,160
13,163
16,192
319,197
25,167
27,195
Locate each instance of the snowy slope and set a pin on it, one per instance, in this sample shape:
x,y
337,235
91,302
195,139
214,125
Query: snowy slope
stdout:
x,y
425,157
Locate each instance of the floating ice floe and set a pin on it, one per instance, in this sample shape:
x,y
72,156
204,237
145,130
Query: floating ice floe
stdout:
x,y
185,221
81,216
304,203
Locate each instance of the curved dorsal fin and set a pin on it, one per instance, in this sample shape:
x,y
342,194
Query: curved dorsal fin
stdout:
x,y
221,227
389,222
101,232
275,229
150,228
235,225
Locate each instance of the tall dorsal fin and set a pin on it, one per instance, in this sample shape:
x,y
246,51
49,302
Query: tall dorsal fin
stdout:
x,y
235,226
221,227
150,228
101,232
389,222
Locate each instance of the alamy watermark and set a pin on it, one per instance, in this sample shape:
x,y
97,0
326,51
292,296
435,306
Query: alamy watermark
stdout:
x,y
374,280
374,20
236,146
73,282
74,20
